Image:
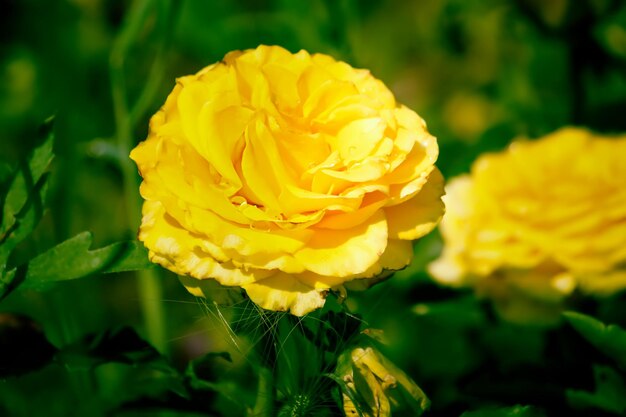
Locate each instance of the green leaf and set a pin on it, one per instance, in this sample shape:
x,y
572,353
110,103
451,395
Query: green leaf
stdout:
x,y
354,396
72,259
25,221
515,411
8,282
6,171
22,207
610,340
610,393
26,176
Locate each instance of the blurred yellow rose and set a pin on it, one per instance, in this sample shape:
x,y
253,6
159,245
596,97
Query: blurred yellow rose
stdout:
x,y
286,175
532,224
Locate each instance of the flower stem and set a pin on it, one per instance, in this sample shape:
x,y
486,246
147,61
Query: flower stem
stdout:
x,y
149,285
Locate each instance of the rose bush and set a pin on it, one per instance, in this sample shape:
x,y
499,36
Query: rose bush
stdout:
x,y
286,175
531,224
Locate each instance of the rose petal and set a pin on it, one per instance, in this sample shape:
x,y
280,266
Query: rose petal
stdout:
x,y
343,253
283,292
420,214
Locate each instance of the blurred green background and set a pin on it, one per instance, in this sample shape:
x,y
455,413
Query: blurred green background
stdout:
x,y
480,72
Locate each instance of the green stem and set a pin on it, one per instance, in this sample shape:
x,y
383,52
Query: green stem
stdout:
x,y
150,289
155,76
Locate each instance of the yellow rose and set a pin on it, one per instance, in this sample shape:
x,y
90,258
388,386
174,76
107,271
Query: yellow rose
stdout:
x,y
533,223
286,175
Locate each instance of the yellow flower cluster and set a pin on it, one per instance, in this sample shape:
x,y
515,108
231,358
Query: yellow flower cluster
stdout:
x,y
533,223
286,175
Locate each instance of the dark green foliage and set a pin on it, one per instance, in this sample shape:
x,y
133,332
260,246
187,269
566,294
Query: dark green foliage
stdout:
x,y
516,411
121,345
24,346
610,340
23,207
609,394
610,388
479,72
